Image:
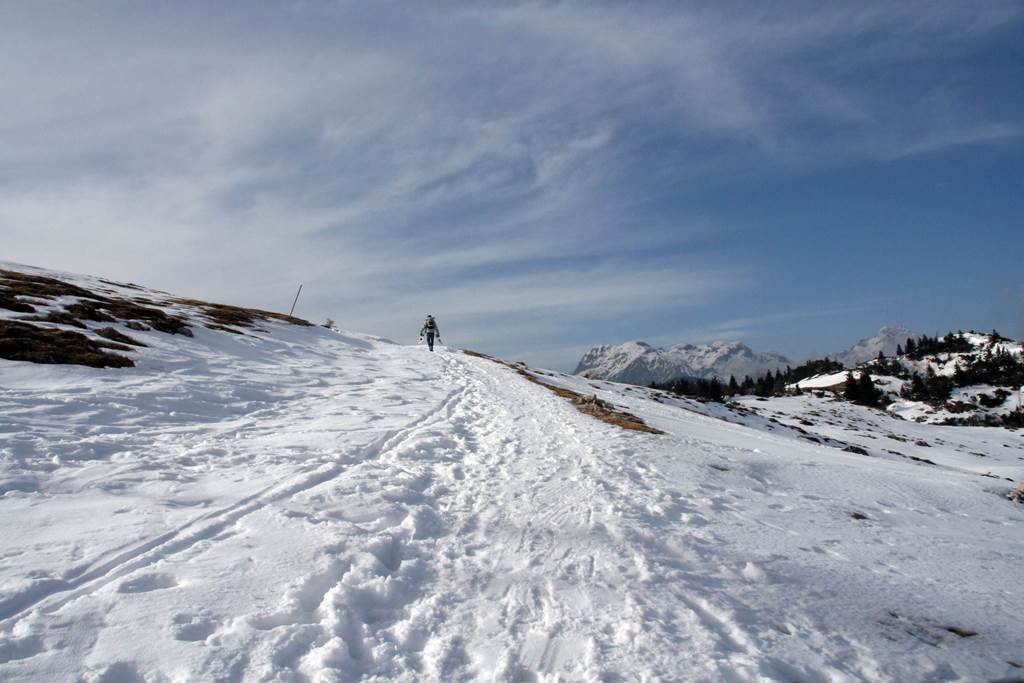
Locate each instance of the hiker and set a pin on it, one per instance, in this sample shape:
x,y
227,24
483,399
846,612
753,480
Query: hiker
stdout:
x,y
430,330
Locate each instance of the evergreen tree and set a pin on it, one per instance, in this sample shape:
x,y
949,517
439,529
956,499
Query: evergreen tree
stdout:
x,y
918,391
867,393
714,390
852,390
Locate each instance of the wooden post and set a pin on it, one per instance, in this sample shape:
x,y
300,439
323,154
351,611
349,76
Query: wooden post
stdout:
x,y
296,300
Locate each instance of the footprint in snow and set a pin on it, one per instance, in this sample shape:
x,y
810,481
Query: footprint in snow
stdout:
x,y
117,672
193,627
146,583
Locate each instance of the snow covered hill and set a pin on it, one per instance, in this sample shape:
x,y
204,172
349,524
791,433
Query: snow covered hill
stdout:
x,y
295,503
887,340
639,363
965,378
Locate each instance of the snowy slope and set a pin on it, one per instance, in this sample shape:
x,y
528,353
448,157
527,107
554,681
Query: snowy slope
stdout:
x,y
639,363
886,340
305,504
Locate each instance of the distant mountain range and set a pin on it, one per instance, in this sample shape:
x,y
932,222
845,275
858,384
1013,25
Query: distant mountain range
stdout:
x,y
637,362
640,363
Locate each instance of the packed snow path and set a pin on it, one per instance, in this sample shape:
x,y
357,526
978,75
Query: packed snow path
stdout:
x,y
326,507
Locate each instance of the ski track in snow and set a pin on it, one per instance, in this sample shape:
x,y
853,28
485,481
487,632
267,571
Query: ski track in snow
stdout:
x,y
367,511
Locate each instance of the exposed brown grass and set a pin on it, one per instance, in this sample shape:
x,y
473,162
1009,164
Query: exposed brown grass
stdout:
x,y
11,303
224,315
22,340
115,336
91,306
591,405
40,287
27,342
224,328
138,312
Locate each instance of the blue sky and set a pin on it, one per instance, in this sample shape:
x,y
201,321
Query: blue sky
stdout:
x,y
542,177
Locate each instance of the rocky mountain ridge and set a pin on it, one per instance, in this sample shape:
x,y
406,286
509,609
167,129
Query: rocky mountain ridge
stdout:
x,y
637,362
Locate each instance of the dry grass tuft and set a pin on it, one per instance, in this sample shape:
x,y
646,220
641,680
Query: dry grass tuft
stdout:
x,y
27,342
591,405
1017,495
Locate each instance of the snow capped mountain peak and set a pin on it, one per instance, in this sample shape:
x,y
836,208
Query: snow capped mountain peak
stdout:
x,y
886,341
640,363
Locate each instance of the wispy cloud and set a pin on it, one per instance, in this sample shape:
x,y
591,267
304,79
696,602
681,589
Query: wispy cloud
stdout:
x,y
483,161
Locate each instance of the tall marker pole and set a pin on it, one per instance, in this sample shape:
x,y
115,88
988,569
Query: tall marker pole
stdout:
x,y
296,300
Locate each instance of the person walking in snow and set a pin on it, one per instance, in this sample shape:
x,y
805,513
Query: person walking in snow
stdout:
x,y
430,330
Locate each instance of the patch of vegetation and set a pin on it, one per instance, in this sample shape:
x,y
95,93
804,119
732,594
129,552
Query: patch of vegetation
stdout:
x,y
862,390
932,346
591,405
701,389
932,389
22,340
224,328
770,384
993,401
115,336
1017,495
998,368
26,342
11,303
40,287
237,316
90,306
59,318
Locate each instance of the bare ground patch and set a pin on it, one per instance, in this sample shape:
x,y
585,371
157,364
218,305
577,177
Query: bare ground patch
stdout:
x,y
591,405
115,336
37,344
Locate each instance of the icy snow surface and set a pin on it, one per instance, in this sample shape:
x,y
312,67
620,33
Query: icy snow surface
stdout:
x,y
300,504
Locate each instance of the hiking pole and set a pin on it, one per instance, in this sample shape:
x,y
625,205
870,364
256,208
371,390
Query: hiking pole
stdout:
x,y
296,300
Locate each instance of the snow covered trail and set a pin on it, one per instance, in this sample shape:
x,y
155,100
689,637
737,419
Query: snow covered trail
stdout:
x,y
309,506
